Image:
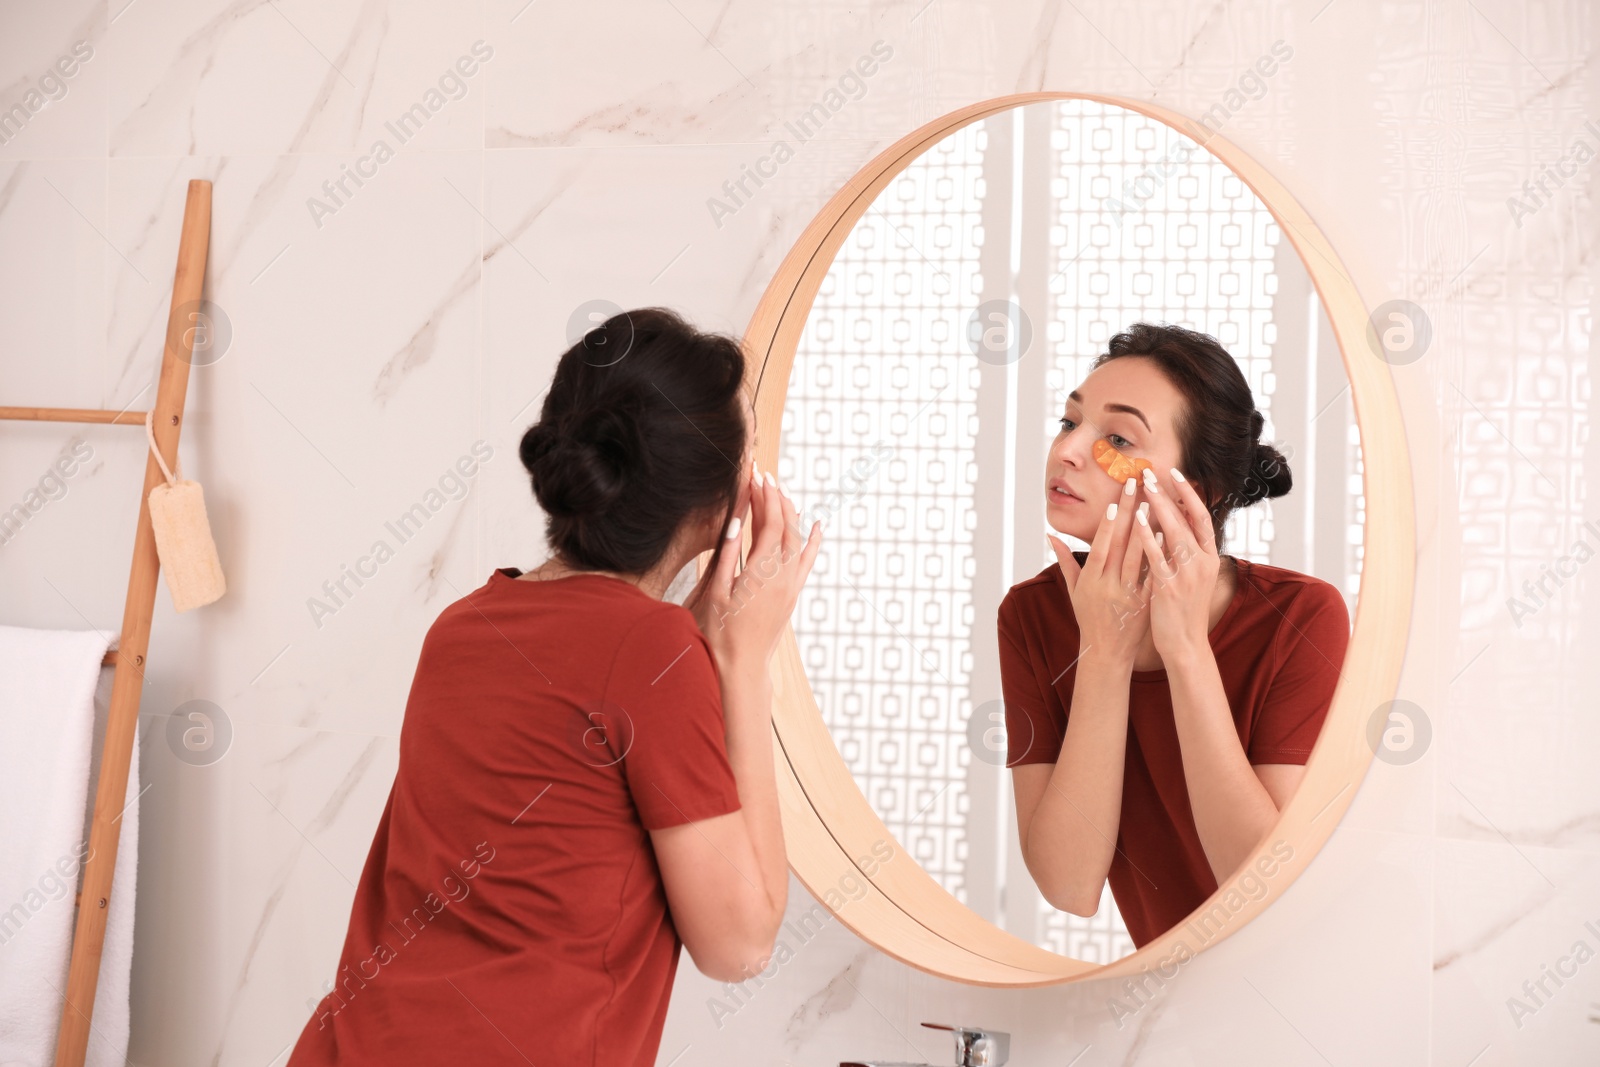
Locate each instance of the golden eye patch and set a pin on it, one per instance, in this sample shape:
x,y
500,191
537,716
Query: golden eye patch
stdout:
x,y
1116,464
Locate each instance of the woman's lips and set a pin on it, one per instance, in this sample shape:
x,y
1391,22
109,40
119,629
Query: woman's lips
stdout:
x,y
1059,495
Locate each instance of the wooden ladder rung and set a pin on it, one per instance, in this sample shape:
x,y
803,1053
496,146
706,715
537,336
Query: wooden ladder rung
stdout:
x,y
103,415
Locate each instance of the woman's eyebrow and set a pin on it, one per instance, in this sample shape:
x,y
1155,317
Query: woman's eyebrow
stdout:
x,y
1128,408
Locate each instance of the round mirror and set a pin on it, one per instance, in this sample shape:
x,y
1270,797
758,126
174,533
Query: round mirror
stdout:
x,y
935,348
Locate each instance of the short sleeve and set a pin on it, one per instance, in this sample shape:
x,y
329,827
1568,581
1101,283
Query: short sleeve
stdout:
x,y
665,694
1313,640
1031,732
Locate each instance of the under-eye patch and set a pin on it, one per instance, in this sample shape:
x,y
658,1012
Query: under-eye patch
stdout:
x,y
1116,464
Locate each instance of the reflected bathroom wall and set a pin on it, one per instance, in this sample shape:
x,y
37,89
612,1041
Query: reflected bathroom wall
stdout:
x,y
964,305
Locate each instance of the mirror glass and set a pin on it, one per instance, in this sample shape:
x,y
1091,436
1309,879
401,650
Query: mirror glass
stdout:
x,y
921,411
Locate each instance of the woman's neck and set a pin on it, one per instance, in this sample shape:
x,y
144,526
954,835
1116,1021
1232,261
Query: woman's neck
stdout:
x,y
654,582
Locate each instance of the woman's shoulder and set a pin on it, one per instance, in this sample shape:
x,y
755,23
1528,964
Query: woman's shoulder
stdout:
x,y
647,626
1292,582
599,607
1042,584
671,617
1293,594
1041,597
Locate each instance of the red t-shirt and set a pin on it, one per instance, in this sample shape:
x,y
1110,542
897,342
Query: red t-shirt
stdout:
x,y
511,908
1279,647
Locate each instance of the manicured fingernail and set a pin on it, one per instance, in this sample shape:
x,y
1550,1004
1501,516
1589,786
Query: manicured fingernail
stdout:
x,y
1127,490
1150,480
755,469
1111,510
1140,516
1177,475
769,479
1144,509
733,528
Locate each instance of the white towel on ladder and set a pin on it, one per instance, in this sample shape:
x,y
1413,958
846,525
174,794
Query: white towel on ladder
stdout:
x,y
50,692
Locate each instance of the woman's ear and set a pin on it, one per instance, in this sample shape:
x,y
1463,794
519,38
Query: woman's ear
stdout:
x,y
716,523
709,528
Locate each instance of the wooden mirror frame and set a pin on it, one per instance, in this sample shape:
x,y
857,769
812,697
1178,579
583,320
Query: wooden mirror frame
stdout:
x,y
895,905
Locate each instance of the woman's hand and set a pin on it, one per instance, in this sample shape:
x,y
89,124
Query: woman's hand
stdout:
x,y
1183,573
1109,593
743,614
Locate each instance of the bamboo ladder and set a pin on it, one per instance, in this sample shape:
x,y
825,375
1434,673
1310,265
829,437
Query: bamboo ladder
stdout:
x,y
88,940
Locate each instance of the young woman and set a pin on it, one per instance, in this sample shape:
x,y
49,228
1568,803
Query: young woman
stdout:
x,y
585,779
1161,699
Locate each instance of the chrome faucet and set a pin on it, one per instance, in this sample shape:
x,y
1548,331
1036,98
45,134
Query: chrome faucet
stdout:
x,y
974,1048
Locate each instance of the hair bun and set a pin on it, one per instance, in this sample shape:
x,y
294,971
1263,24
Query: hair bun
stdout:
x,y
585,462
1269,472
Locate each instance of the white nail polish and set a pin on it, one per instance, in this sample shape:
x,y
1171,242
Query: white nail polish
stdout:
x,y
1140,516
1111,511
1129,487
1150,480
733,528
1177,475
769,478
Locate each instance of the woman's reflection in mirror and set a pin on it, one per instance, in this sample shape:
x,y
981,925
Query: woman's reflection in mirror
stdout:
x,y
1161,697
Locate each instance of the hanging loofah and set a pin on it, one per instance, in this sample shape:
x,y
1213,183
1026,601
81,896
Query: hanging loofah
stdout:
x,y
183,537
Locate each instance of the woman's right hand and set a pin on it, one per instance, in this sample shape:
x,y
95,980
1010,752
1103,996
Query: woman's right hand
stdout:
x,y
743,613
1110,592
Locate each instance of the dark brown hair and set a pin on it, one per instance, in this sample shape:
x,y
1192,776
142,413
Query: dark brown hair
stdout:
x,y
1219,429
642,429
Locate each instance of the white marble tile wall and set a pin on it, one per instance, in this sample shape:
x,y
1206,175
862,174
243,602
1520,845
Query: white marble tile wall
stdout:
x,y
374,344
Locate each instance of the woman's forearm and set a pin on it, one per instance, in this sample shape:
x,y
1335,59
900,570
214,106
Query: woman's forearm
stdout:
x,y
1232,809
747,713
1072,837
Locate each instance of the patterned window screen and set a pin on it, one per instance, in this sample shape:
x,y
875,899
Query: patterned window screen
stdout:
x,y
1356,519
877,439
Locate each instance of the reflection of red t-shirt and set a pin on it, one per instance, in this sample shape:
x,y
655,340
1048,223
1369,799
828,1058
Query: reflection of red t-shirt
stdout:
x,y
1279,647
511,908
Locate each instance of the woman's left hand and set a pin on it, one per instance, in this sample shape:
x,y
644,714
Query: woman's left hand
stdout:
x,y
1183,570
743,611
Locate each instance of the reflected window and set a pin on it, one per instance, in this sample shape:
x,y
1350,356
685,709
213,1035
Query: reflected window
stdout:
x,y
877,439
